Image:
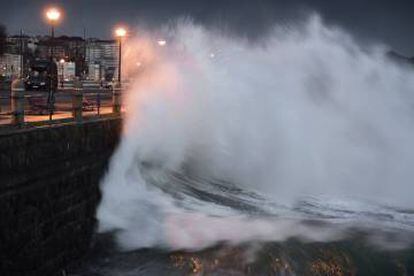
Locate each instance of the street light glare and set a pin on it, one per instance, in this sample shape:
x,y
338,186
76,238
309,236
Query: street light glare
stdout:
x,y
162,42
62,61
53,14
120,32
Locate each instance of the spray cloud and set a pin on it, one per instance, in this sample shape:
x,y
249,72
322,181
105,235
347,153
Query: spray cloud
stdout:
x,y
306,113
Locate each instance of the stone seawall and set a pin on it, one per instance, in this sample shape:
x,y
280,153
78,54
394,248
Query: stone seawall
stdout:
x,y
49,193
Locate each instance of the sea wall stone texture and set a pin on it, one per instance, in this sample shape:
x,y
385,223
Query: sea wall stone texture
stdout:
x,y
49,191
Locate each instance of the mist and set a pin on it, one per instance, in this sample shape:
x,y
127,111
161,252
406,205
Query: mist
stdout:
x,y
306,113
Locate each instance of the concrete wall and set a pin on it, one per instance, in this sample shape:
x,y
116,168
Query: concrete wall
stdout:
x,y
49,192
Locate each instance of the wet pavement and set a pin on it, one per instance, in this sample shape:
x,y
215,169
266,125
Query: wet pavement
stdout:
x,y
36,107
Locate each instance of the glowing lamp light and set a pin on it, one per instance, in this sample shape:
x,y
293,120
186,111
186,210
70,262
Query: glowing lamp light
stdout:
x,y
162,42
120,32
62,61
53,14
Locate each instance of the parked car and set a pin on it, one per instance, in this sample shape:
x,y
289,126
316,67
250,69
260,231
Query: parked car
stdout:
x,y
42,74
37,82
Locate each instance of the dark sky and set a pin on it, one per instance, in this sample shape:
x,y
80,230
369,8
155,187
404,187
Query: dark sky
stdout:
x,y
388,21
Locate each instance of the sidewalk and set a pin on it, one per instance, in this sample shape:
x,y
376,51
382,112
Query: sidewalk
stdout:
x,y
5,119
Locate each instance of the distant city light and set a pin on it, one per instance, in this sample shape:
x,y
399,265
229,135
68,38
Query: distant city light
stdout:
x,y
162,42
53,14
120,32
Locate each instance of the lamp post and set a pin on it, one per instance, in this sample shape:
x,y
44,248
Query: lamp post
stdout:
x,y
53,16
62,67
21,55
120,33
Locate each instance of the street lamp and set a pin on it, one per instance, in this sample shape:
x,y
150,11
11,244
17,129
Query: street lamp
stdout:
x,y
162,42
120,33
62,64
53,16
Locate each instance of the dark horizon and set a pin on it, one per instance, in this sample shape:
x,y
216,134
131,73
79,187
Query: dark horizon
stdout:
x,y
381,21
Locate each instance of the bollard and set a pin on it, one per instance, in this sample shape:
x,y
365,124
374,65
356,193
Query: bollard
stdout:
x,y
77,100
116,98
17,101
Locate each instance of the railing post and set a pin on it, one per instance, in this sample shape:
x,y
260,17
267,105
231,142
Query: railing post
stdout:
x,y
77,99
98,102
116,98
17,101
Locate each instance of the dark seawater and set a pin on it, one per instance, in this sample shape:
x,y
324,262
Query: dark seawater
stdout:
x,y
348,257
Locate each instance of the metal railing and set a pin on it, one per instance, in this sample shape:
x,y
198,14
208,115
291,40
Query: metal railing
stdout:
x,y
19,107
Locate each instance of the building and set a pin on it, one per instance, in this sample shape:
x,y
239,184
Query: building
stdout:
x,y
93,59
105,54
17,44
95,72
10,65
71,49
66,71
22,45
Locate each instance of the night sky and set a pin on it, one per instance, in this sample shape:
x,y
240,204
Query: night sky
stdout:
x,y
386,21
